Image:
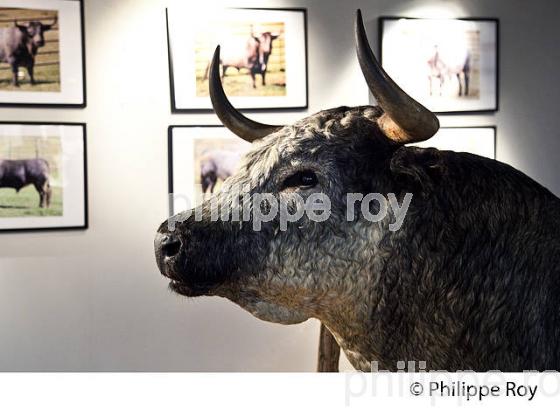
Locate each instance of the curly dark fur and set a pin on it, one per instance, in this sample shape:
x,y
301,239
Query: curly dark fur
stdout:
x,y
472,280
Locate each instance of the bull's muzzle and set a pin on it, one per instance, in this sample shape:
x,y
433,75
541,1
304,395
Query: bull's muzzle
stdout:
x,y
169,253
170,249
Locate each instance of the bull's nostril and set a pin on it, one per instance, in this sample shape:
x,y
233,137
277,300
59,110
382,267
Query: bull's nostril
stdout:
x,y
171,247
168,250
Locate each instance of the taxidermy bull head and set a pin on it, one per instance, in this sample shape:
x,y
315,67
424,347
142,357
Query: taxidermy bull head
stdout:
x,y
461,283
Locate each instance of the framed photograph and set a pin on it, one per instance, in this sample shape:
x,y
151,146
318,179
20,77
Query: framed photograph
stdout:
x,y
263,57
474,140
42,56
450,66
200,159
43,176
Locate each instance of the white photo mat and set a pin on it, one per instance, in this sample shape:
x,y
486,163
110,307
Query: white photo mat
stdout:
x,y
73,171
70,54
474,140
184,24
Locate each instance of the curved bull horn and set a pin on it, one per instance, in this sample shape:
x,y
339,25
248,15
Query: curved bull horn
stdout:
x,y
16,24
49,26
236,122
405,120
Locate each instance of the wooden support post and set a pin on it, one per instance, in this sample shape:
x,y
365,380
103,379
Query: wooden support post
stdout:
x,y
329,352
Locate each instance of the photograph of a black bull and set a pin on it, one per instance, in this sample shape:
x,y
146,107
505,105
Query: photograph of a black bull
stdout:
x,y
18,174
471,280
19,46
252,55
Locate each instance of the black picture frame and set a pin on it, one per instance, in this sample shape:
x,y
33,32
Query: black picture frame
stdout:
x,y
77,105
170,188
172,95
85,225
496,21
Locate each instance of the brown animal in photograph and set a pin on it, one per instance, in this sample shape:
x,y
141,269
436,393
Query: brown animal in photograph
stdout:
x,y
252,55
253,50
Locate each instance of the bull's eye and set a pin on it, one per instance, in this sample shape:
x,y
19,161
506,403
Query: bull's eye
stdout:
x,y
301,179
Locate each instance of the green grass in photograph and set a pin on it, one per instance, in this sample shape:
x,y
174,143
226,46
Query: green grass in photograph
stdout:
x,y
26,203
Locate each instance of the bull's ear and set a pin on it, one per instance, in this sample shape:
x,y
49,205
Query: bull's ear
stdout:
x,y
274,36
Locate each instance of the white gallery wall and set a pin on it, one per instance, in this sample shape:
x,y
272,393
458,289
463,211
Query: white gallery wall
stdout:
x,y
93,300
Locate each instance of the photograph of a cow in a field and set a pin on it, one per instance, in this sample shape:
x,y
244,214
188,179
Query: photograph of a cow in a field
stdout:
x,y
215,160
469,281
201,159
216,166
23,44
18,174
30,174
448,65
444,69
250,53
263,64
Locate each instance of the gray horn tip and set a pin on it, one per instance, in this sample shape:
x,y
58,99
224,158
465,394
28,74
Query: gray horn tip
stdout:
x,y
359,14
359,20
216,56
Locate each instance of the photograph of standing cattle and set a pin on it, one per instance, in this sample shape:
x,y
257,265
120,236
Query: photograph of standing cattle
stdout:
x,y
253,59
215,160
201,159
30,176
450,69
448,65
29,50
263,62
